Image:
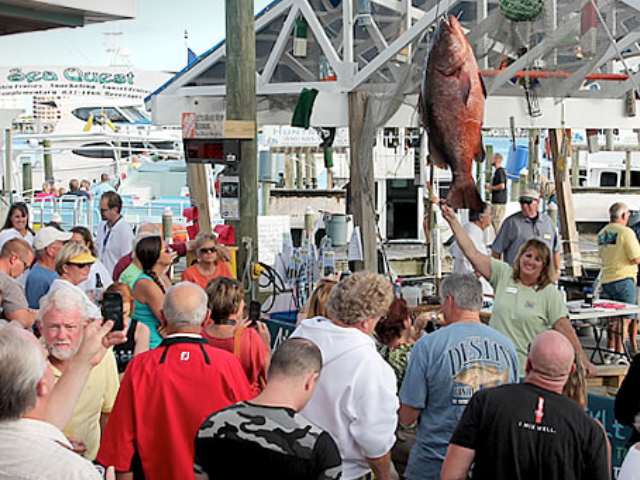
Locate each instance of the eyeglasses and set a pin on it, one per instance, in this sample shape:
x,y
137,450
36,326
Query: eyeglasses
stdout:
x,y
80,265
102,210
208,250
26,265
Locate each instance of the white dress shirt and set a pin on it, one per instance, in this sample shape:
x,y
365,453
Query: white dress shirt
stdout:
x,y
114,243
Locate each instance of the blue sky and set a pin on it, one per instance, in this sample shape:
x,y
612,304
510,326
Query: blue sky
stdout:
x,y
155,38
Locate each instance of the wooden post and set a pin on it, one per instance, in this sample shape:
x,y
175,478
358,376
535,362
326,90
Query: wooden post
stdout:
x,y
241,105
197,181
287,171
298,163
568,227
533,175
362,181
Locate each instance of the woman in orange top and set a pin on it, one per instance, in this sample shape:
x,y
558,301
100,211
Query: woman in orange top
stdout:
x,y
210,262
250,345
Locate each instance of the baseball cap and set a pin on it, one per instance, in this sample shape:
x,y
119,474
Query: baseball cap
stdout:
x,y
48,235
530,194
83,258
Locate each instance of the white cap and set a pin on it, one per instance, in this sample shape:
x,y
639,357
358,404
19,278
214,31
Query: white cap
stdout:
x,y
47,235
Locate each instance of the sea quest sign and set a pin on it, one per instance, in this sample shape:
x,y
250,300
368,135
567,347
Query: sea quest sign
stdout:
x,y
72,74
72,81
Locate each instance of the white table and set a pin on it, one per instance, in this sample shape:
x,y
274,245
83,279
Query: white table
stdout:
x,y
597,318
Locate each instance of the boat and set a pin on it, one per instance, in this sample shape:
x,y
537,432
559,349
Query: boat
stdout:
x,y
88,138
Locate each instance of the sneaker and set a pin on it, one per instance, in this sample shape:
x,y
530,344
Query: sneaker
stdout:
x,y
622,360
609,358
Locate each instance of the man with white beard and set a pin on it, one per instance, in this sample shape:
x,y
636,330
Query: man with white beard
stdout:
x,y
62,317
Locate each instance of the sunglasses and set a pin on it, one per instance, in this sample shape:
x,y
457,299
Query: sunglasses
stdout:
x,y
81,265
526,201
208,250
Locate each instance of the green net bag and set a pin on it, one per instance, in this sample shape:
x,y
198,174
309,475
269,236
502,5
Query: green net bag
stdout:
x,y
521,10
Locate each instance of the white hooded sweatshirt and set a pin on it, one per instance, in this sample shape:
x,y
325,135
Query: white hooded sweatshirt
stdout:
x,y
355,400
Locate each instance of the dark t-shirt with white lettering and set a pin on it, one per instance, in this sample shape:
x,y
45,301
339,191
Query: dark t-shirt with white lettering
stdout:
x,y
521,431
499,196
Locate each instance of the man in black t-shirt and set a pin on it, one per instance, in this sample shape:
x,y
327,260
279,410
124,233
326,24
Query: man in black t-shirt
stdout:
x,y
498,189
530,430
266,437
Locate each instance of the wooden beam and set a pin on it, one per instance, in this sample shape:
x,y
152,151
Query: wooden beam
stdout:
x,y
199,193
362,181
241,105
568,229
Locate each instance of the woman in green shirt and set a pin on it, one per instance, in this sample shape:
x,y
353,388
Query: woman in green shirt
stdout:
x,y
527,301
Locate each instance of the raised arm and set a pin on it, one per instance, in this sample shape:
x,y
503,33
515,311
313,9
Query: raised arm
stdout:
x,y
480,261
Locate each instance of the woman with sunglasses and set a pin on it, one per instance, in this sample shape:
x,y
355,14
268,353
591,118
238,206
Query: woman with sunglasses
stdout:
x,y
226,307
99,277
210,263
17,225
73,264
527,301
149,288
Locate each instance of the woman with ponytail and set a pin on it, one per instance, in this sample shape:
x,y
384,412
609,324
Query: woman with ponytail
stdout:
x,y
150,287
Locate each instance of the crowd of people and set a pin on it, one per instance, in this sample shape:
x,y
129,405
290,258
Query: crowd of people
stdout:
x,y
189,388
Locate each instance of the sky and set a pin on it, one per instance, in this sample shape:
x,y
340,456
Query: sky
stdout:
x,y
154,39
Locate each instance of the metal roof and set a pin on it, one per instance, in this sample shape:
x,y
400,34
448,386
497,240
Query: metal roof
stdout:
x,y
571,47
22,16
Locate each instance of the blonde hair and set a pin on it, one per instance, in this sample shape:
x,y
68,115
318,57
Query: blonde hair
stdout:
x,y
548,273
576,386
67,252
359,297
317,304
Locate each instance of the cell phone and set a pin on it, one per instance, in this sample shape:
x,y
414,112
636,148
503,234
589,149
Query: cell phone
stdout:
x,y
112,309
255,310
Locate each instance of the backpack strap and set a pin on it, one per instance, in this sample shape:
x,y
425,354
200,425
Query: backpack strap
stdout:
x,y
237,340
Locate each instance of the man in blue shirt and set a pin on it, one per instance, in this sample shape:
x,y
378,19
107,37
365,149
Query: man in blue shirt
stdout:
x,y
103,187
446,368
47,244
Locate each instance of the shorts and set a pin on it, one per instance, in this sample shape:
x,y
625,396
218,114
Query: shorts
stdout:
x,y
621,290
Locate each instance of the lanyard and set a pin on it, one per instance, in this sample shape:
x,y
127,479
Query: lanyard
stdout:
x,y
108,232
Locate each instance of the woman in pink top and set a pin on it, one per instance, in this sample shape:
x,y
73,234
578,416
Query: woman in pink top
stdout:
x,y
250,345
210,263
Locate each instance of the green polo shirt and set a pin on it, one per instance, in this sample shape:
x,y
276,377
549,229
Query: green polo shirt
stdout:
x,y
521,312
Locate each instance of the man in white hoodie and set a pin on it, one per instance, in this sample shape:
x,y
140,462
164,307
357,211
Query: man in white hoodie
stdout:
x,y
355,400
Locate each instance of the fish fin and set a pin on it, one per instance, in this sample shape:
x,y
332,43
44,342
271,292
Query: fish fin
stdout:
x,y
464,194
484,87
480,156
465,85
435,155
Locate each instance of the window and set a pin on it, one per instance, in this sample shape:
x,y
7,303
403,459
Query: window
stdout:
x,y
99,115
93,150
609,179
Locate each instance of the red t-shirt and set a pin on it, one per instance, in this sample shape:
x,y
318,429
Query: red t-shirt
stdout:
x,y
253,355
165,395
192,274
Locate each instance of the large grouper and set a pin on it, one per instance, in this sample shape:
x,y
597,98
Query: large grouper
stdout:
x,y
452,109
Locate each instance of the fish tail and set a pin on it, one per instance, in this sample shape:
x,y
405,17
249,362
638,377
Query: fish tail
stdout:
x,y
464,194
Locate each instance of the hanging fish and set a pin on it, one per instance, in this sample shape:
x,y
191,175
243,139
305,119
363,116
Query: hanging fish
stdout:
x,y
452,109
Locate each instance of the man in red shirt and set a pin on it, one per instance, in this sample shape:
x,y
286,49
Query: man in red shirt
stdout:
x,y
167,393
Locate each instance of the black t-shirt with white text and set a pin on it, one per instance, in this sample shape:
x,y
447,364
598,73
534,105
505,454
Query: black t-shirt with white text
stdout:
x,y
521,431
